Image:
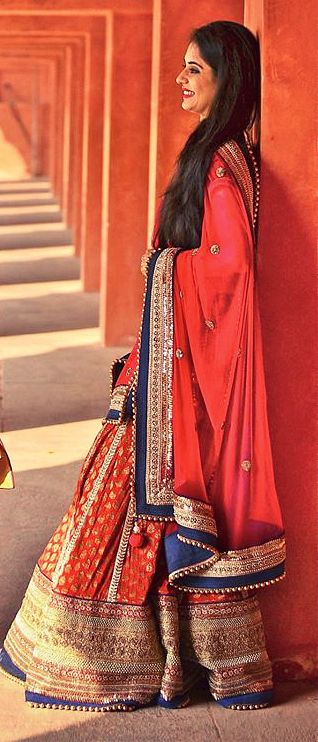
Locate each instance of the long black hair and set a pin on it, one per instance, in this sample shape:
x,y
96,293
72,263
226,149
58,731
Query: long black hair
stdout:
x,y
233,53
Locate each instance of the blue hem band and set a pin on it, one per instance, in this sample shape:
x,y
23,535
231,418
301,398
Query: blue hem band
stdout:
x,y
39,698
218,583
174,703
9,666
209,539
247,699
180,555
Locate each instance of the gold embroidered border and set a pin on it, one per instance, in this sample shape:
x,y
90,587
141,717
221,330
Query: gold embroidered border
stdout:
x,y
166,609
159,460
21,637
249,561
233,156
225,590
234,563
121,553
228,640
97,652
194,514
118,397
118,401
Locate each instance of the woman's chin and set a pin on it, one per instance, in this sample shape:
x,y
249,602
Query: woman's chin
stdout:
x,y
186,105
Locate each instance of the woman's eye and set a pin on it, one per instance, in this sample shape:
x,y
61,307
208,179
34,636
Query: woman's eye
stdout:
x,y
192,70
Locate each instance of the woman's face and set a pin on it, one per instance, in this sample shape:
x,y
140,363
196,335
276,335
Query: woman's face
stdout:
x,y
198,82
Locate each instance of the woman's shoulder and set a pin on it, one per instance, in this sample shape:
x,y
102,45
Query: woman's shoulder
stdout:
x,y
219,171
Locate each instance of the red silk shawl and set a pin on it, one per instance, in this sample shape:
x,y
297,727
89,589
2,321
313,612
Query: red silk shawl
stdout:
x,y
196,387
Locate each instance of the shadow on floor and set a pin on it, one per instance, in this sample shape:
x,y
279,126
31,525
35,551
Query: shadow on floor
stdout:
x,y
58,386
56,268
50,313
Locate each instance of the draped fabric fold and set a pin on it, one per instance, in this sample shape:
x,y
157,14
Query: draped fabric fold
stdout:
x,y
203,453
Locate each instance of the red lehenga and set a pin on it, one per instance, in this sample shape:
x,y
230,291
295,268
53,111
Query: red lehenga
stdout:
x,y
150,580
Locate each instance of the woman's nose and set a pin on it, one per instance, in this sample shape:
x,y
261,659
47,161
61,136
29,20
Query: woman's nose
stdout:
x,y
182,77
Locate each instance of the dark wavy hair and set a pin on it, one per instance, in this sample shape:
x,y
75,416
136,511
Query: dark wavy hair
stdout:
x,y
233,53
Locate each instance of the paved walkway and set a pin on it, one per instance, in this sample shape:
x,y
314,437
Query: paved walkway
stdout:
x,y
54,392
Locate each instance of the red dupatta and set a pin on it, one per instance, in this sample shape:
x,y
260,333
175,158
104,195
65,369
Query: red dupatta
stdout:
x,y
202,449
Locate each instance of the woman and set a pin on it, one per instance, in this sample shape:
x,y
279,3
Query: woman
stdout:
x,y
150,580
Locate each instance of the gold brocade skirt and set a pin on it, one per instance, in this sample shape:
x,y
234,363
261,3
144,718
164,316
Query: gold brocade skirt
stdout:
x,y
101,628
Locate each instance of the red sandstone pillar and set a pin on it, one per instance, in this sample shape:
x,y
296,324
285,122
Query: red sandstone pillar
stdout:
x,y
170,125
67,119
76,143
59,122
129,115
93,173
287,290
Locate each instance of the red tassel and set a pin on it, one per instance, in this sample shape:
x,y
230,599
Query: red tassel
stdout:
x,y
136,539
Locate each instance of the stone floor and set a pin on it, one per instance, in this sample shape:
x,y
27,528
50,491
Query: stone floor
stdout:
x,y
292,719
54,387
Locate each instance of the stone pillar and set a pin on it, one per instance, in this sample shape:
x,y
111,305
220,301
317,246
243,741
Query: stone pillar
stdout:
x,y
129,117
76,142
60,125
287,291
170,125
92,175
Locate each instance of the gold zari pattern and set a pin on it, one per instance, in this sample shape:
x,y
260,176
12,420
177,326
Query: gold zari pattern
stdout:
x,y
194,514
233,156
227,639
159,419
95,652
118,402
249,561
121,553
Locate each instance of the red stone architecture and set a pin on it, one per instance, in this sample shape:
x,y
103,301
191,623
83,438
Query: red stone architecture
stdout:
x,y
88,99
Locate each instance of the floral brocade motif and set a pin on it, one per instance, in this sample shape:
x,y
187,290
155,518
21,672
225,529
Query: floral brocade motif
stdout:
x,y
88,570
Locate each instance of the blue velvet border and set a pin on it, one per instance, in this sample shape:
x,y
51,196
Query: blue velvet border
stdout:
x,y
247,580
264,696
174,703
115,414
112,414
9,666
39,698
206,538
180,555
142,507
158,700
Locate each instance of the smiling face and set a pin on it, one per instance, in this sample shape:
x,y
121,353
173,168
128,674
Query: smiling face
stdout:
x,y
198,82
